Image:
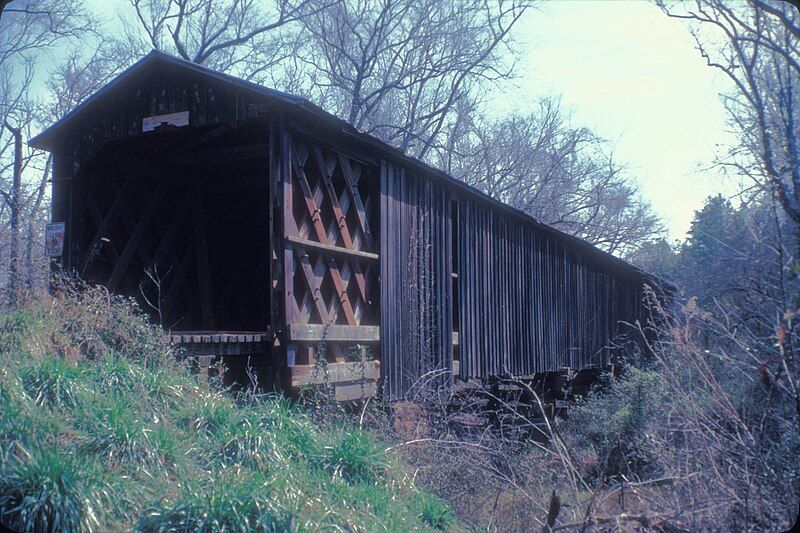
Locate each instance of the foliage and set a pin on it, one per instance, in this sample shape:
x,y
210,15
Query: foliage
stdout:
x,y
101,428
613,423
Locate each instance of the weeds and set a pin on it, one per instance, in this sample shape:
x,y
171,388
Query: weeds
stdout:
x,y
353,456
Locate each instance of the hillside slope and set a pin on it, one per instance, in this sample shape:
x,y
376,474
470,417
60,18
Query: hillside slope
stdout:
x,y
100,429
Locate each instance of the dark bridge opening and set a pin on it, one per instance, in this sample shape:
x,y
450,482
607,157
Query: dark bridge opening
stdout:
x,y
179,220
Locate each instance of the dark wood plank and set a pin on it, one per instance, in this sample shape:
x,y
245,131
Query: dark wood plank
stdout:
x,y
203,268
355,391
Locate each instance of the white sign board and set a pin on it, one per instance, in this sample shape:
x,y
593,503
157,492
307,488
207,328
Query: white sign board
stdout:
x,y
54,239
172,119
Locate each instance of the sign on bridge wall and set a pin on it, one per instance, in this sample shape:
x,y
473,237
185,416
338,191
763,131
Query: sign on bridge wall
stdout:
x,y
54,239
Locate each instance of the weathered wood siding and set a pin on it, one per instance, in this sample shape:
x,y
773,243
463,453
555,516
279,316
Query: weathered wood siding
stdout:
x,y
416,267
530,302
367,252
159,91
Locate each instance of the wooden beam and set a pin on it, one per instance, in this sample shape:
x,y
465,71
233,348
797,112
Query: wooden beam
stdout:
x,y
129,225
203,268
326,167
341,292
350,182
314,283
354,391
233,153
105,222
109,246
333,249
178,220
308,195
194,142
177,282
322,235
289,228
135,237
300,375
273,222
334,332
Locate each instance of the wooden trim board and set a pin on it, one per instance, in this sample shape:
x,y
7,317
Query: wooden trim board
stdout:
x,y
334,332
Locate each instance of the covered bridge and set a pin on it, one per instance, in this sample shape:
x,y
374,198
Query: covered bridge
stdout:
x,y
251,222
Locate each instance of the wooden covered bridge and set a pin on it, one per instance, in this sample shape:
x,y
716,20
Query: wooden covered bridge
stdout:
x,y
251,222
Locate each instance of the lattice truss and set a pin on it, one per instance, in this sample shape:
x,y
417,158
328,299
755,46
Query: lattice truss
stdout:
x,y
331,227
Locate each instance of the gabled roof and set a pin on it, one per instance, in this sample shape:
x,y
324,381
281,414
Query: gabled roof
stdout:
x,y
46,140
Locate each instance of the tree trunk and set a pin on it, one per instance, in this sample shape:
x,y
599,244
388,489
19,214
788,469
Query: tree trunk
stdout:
x,y
31,237
16,186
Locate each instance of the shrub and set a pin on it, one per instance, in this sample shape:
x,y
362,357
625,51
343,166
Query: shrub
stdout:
x,y
353,456
435,513
612,424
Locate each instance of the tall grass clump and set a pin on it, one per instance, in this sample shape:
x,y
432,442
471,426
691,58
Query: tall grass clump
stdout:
x,y
50,489
102,427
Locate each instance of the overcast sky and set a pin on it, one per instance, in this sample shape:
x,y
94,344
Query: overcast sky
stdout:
x,y
632,75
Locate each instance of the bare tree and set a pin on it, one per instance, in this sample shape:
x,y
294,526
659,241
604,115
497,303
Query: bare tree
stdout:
x,y
756,45
239,36
40,24
562,175
398,69
26,31
13,198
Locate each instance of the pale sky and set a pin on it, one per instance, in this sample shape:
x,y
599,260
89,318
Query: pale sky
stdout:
x,y
632,75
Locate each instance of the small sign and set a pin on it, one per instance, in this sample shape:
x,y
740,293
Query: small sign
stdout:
x,y
171,120
54,239
562,404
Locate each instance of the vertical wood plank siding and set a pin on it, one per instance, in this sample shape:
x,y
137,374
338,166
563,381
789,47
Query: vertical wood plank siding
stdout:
x,y
531,303
416,267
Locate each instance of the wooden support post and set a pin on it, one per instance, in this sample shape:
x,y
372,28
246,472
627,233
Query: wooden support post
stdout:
x,y
204,362
203,269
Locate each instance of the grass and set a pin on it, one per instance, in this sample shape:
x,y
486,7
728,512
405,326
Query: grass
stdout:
x,y
102,430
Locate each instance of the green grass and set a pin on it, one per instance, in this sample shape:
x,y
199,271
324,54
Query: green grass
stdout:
x,y
100,429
